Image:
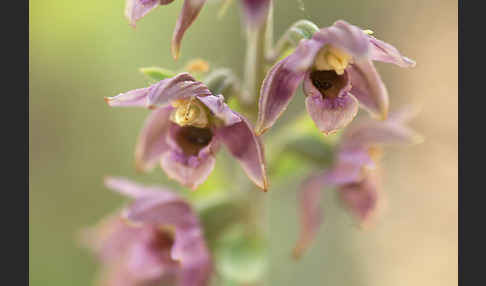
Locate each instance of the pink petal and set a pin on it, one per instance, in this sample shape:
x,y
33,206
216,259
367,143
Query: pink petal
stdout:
x,y
161,93
330,113
384,52
368,133
216,104
360,198
137,9
247,148
368,88
277,90
190,10
188,171
136,191
152,141
310,212
346,37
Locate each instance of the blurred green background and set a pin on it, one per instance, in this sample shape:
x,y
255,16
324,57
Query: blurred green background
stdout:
x,y
81,51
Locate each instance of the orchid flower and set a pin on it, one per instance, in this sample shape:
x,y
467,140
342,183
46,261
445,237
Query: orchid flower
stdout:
x,y
354,173
338,75
186,129
156,240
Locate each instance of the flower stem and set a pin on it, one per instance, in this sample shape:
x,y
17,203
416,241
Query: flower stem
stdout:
x,y
258,41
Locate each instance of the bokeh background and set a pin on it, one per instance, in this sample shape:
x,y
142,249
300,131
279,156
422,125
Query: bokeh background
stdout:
x,y
81,51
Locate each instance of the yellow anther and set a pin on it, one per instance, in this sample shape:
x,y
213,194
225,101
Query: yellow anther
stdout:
x,y
197,65
368,31
189,112
331,58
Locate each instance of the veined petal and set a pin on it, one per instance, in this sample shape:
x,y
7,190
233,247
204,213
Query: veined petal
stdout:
x,y
191,159
247,148
152,142
331,115
330,112
180,86
255,11
277,89
310,212
216,104
136,9
190,10
136,97
346,37
368,88
161,93
303,57
189,171
384,52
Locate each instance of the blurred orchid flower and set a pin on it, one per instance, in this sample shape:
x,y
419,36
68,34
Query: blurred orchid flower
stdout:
x,y
156,240
354,173
255,12
186,128
336,66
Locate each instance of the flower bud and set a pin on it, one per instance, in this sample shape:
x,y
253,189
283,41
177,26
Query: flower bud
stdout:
x,y
302,29
222,81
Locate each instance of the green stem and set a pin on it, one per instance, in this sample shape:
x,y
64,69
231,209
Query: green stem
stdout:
x,y
258,41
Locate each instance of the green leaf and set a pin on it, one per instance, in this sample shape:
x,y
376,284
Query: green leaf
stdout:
x,y
241,256
157,73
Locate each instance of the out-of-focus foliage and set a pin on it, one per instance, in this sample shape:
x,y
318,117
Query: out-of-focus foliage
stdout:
x,y
241,256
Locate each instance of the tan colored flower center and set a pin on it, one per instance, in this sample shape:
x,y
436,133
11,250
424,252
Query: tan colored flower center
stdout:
x,y
189,112
331,58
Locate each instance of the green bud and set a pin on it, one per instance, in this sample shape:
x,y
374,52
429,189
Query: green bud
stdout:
x,y
222,81
302,29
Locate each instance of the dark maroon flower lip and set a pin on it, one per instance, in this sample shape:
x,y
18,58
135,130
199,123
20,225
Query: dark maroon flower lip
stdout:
x,y
193,139
328,83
